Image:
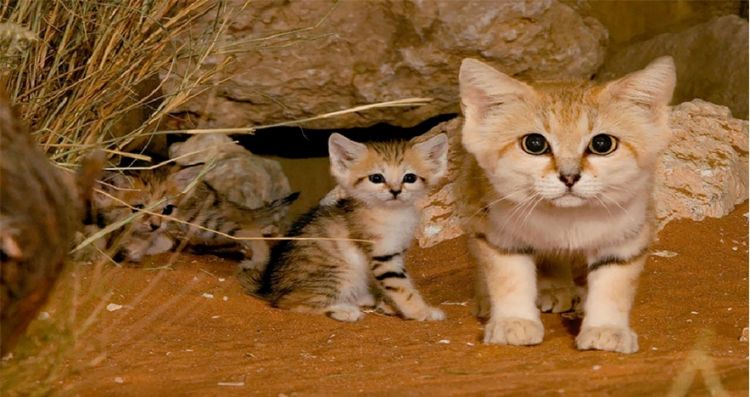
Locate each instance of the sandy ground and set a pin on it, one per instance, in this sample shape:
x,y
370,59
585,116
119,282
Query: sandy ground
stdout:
x,y
173,338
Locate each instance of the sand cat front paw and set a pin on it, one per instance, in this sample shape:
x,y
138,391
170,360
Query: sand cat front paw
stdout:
x,y
513,331
609,338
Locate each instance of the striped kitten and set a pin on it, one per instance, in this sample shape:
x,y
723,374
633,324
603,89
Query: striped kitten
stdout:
x,y
560,174
201,205
382,182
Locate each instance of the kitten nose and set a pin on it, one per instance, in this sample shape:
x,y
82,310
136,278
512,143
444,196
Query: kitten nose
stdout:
x,y
395,193
154,226
570,179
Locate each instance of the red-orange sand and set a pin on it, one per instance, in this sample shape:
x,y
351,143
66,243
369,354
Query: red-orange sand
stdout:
x,y
689,313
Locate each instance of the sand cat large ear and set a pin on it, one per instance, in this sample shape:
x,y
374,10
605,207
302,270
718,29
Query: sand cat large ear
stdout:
x,y
343,153
483,86
435,152
651,87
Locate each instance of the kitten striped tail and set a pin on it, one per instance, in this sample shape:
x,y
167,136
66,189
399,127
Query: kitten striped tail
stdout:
x,y
251,280
266,215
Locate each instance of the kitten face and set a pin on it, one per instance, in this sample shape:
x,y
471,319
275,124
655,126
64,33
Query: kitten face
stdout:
x,y
567,144
390,174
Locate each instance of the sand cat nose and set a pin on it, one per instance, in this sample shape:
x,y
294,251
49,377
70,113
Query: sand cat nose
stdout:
x,y
154,226
395,193
570,179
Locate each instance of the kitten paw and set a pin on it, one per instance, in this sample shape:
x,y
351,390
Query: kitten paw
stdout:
x,y
347,313
615,339
385,308
513,331
427,313
556,299
435,314
366,300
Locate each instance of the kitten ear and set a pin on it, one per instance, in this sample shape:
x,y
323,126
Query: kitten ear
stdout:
x,y
343,152
651,87
483,86
435,152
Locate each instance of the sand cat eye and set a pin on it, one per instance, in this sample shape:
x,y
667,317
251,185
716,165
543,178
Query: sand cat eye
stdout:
x,y
603,144
535,144
410,178
377,178
168,209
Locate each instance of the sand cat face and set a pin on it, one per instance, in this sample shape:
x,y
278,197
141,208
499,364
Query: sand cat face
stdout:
x,y
567,144
393,174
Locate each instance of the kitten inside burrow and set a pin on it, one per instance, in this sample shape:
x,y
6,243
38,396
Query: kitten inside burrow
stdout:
x,y
172,206
349,252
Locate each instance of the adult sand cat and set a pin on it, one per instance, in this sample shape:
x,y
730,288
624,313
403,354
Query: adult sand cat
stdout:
x,y
328,273
561,173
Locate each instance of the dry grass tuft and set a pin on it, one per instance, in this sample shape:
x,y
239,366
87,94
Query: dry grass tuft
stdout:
x,y
87,74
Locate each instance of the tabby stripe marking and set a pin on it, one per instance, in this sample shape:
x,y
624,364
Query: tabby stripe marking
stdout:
x,y
390,275
385,258
505,251
615,260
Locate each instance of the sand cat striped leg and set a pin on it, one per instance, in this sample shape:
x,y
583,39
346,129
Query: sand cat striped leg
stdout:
x,y
398,289
510,278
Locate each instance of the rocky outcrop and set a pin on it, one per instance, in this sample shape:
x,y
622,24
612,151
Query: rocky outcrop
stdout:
x,y
297,59
703,173
629,21
711,60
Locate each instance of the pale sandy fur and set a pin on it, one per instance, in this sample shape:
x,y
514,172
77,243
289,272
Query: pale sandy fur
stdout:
x,y
522,214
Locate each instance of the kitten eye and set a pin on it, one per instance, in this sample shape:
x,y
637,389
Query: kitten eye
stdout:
x,y
603,144
168,209
410,178
137,207
535,144
377,178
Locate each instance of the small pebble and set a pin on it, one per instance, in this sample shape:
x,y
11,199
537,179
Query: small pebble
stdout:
x,y
596,367
664,254
693,312
207,295
221,279
44,316
113,307
734,248
215,317
231,384
444,341
225,298
654,348
119,380
469,344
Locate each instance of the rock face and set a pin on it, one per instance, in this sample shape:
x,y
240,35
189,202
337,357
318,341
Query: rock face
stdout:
x,y
711,60
439,220
297,59
629,21
704,172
